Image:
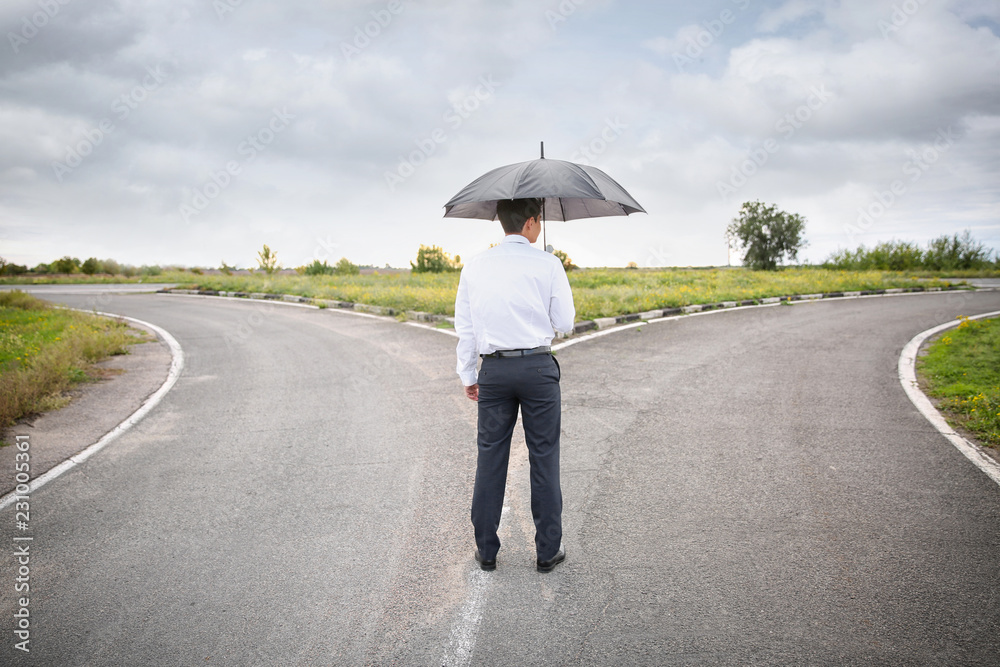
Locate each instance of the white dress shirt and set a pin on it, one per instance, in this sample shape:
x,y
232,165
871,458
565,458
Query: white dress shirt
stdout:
x,y
511,297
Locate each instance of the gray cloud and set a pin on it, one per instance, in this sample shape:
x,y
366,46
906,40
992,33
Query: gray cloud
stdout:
x,y
299,122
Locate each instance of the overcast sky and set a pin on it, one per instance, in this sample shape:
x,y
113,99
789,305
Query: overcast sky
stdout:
x,y
193,132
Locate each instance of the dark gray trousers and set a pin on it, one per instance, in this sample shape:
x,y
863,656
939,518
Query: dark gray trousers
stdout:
x,y
531,384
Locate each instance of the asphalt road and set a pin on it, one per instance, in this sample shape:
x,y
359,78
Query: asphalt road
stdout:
x,y
747,487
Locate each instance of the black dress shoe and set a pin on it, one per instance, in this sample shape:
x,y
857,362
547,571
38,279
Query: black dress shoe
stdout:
x,y
549,565
488,565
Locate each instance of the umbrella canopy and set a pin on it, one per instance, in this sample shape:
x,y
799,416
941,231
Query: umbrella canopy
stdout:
x,y
571,191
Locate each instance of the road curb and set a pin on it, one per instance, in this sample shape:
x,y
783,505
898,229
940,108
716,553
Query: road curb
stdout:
x,y
608,322
908,378
584,326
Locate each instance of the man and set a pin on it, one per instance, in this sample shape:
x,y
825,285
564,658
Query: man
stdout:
x,y
511,300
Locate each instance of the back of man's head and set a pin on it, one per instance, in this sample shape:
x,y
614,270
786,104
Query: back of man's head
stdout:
x,y
513,213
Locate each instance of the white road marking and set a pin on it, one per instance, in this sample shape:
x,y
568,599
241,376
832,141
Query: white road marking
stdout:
x,y
908,378
462,642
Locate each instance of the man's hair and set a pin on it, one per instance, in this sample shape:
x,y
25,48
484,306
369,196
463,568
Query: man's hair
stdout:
x,y
513,213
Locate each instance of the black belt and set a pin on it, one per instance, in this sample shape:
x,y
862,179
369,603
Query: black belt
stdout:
x,y
541,349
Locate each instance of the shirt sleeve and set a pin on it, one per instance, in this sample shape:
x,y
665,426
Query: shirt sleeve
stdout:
x,y
562,311
467,350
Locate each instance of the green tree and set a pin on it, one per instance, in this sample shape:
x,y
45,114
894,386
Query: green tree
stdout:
x,y
66,264
110,266
267,259
432,259
10,269
91,266
766,235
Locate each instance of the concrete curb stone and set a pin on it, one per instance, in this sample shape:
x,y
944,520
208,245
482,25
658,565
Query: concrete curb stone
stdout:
x,y
583,326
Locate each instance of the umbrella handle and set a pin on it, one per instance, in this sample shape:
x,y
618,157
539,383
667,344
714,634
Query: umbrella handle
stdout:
x,y
547,247
544,234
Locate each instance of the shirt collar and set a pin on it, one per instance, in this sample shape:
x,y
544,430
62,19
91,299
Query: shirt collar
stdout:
x,y
515,238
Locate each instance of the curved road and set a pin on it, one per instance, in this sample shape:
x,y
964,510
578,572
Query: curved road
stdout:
x,y
747,487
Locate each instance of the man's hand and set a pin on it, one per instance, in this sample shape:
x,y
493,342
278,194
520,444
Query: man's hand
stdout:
x,y
472,392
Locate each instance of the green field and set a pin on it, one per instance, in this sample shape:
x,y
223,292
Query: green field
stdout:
x,y
597,292
962,369
45,350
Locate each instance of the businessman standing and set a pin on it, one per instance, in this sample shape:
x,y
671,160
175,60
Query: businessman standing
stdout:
x,y
511,301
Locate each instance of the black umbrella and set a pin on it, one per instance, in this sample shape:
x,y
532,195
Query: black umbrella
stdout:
x,y
570,191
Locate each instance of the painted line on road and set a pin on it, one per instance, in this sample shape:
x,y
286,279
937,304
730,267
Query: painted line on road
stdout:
x,y
908,378
462,642
176,366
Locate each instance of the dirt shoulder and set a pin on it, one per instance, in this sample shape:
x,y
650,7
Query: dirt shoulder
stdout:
x,y
95,409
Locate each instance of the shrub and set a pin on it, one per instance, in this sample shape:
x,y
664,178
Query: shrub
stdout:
x,y
318,268
432,259
567,263
346,268
945,253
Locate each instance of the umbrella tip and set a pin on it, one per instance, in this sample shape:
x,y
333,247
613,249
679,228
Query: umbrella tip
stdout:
x,y
543,150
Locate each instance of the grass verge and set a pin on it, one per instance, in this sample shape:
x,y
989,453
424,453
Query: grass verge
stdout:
x,y
596,292
962,370
46,350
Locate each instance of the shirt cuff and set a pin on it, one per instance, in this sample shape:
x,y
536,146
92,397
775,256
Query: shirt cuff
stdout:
x,y
469,378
